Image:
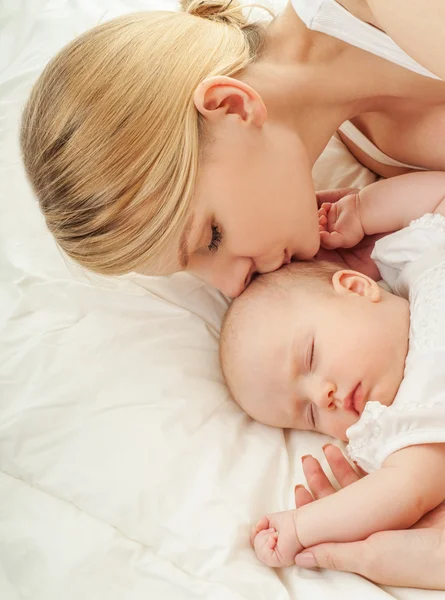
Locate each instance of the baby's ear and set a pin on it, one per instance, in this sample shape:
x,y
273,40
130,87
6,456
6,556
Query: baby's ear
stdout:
x,y
347,282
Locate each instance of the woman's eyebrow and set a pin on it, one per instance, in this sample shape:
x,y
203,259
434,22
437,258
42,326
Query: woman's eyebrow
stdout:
x,y
183,255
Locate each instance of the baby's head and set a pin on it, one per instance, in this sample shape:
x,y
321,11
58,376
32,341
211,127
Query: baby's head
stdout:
x,y
307,346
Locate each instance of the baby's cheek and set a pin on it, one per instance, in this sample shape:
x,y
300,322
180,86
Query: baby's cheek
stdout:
x,y
335,427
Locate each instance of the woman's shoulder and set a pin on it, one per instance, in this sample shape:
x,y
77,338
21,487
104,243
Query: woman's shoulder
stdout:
x,y
352,22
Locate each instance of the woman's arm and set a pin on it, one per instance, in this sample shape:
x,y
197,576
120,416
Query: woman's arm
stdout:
x,y
409,485
417,27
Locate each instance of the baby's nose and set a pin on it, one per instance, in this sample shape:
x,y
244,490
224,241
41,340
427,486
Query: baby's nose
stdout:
x,y
326,395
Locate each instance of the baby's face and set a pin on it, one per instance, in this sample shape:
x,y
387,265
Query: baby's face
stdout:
x,y
313,360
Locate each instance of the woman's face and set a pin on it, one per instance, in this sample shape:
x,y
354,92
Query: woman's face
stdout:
x,y
255,207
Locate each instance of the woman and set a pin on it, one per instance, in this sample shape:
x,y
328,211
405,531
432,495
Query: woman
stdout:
x,y
167,141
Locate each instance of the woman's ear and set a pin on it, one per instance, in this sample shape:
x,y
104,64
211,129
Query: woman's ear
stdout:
x,y
352,282
217,97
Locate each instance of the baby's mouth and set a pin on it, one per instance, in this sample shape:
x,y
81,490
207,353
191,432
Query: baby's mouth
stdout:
x,y
354,401
358,399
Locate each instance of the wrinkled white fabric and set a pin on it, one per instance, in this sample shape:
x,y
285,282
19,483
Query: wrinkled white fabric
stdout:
x,y
412,263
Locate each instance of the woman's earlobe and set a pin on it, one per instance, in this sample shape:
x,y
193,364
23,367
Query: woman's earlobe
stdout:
x,y
217,97
352,282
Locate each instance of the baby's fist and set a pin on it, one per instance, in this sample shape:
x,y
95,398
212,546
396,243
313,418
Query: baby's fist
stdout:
x,y
339,223
275,539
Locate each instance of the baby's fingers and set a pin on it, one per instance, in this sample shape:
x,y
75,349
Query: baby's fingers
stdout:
x,y
265,545
261,525
331,241
332,216
323,210
322,219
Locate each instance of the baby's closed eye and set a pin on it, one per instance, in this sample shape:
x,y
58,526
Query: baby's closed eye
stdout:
x,y
310,412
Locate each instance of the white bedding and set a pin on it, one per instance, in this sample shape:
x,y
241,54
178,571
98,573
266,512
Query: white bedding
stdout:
x,y
126,472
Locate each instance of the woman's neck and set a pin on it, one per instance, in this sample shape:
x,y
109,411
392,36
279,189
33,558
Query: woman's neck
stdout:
x,y
312,82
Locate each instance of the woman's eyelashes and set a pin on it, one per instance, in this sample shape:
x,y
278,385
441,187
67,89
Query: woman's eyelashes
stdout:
x,y
216,239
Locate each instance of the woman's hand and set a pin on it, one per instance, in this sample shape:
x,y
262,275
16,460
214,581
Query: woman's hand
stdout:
x,y
408,558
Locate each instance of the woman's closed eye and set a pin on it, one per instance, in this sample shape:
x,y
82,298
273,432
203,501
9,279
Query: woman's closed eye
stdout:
x,y
216,238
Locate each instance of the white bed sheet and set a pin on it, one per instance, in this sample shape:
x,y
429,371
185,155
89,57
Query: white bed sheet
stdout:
x,y
126,471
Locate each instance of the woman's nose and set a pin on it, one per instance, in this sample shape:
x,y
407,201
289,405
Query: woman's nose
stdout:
x,y
236,282
232,277
269,264
238,273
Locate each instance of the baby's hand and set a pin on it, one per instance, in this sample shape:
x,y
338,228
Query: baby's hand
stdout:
x,y
275,539
340,224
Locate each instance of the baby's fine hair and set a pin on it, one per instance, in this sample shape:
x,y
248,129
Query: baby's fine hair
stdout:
x,y
260,296
111,137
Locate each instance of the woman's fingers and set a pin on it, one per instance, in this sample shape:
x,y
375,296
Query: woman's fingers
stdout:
x,y
411,558
333,556
302,496
317,481
340,467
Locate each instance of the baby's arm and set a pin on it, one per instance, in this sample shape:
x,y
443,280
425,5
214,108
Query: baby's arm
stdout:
x,y
385,206
410,484
391,204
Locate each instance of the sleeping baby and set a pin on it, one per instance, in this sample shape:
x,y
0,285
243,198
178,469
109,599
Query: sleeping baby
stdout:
x,y
317,347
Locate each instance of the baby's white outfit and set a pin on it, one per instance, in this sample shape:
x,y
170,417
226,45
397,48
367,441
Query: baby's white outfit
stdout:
x,y
412,263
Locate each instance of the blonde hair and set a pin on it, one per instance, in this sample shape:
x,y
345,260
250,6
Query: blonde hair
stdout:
x,y
110,134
